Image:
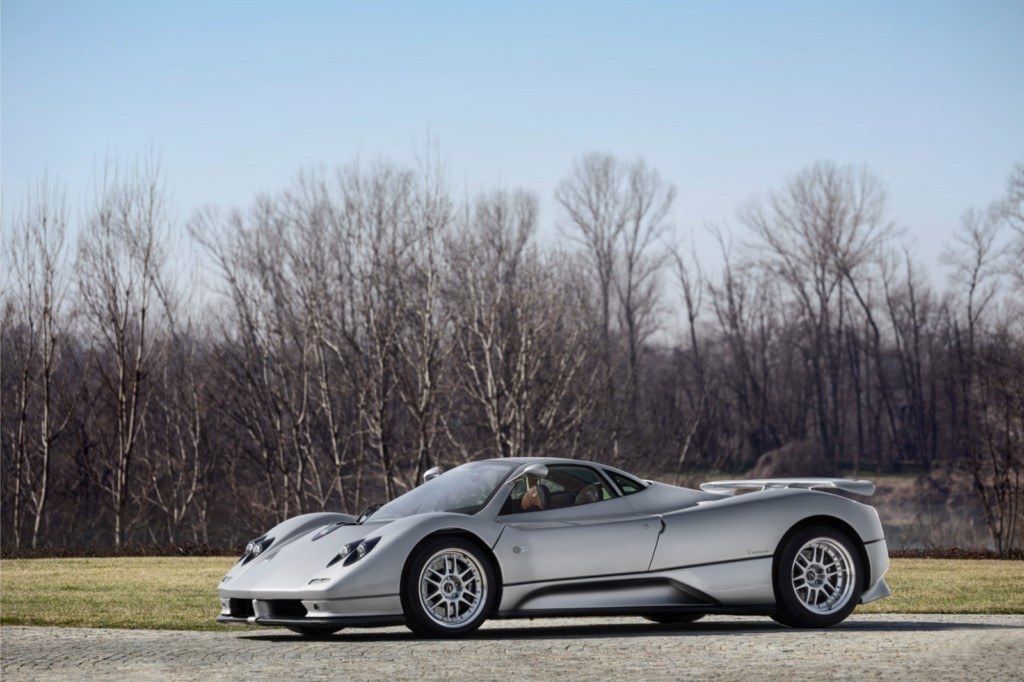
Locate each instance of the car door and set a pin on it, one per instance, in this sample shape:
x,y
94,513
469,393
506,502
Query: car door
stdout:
x,y
585,539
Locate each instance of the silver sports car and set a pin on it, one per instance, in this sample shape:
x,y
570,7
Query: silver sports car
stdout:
x,y
512,538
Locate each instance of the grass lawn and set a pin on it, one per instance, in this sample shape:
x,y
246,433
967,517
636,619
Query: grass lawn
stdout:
x,y
177,593
166,593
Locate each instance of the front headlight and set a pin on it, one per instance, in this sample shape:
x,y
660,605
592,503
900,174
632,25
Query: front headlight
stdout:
x,y
354,551
256,547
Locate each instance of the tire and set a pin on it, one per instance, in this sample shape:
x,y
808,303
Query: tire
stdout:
x,y
674,618
457,578
818,577
314,630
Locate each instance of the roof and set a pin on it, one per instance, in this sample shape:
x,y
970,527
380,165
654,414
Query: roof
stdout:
x,y
543,460
557,460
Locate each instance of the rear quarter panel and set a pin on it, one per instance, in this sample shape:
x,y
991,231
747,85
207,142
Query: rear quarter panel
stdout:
x,y
751,526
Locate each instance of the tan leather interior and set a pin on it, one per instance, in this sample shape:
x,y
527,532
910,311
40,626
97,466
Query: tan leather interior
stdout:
x,y
536,498
592,493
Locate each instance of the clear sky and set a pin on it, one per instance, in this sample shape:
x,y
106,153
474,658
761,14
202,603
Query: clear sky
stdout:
x,y
725,98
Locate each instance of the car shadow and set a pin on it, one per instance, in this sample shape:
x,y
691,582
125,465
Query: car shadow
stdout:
x,y
624,630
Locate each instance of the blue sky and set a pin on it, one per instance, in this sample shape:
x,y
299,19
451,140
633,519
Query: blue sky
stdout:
x,y
725,98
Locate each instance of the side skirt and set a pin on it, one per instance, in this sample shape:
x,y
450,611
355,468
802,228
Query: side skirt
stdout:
x,y
706,609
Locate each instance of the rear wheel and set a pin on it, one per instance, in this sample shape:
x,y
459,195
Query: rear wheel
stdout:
x,y
449,588
818,575
314,630
674,618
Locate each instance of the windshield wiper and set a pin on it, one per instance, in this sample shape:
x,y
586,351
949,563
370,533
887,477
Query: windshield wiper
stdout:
x,y
368,511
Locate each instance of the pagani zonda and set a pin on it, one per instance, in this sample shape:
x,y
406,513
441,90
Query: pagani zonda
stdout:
x,y
532,537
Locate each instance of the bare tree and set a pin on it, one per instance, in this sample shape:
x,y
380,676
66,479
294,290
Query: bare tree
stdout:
x,y
695,382
913,312
425,342
364,325
1011,210
522,349
37,250
817,234
269,354
376,214
617,212
649,201
177,459
747,305
594,199
987,416
120,265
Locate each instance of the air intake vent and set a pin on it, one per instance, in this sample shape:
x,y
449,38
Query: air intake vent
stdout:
x,y
240,608
286,608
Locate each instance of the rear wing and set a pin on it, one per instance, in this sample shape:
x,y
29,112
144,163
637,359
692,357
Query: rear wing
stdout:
x,y
844,484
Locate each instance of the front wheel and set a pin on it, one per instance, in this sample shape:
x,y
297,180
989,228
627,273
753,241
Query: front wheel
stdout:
x,y
449,588
817,578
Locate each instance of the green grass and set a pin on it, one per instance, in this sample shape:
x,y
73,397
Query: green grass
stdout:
x,y
165,593
952,586
180,593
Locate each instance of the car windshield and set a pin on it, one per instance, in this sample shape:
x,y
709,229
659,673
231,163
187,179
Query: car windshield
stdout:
x,y
463,490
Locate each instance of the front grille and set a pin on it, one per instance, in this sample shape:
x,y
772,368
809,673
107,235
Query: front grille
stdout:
x,y
240,608
286,608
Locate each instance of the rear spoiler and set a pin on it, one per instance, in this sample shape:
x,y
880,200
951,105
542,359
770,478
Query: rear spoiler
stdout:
x,y
844,484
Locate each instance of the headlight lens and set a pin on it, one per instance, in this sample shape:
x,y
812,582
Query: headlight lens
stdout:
x,y
354,551
255,547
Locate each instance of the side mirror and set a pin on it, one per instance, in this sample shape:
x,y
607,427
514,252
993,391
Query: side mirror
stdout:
x,y
539,470
431,474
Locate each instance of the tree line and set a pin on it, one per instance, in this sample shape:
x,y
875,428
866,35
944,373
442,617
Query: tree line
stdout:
x,y
196,381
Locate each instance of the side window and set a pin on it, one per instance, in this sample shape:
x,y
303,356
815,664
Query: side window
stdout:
x,y
565,485
627,485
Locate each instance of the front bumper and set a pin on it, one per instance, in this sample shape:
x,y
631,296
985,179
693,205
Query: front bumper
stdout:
x,y
352,612
338,621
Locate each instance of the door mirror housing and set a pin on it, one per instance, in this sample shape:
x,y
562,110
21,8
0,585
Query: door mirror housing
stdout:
x,y
432,473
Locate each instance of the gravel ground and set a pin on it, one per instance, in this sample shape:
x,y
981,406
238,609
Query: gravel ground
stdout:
x,y
872,646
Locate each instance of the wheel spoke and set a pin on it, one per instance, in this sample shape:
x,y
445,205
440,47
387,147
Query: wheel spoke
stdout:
x,y
822,575
452,588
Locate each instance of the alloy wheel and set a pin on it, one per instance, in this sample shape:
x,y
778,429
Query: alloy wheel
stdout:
x,y
823,576
452,587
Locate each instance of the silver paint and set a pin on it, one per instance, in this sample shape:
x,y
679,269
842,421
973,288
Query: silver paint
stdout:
x,y
662,547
